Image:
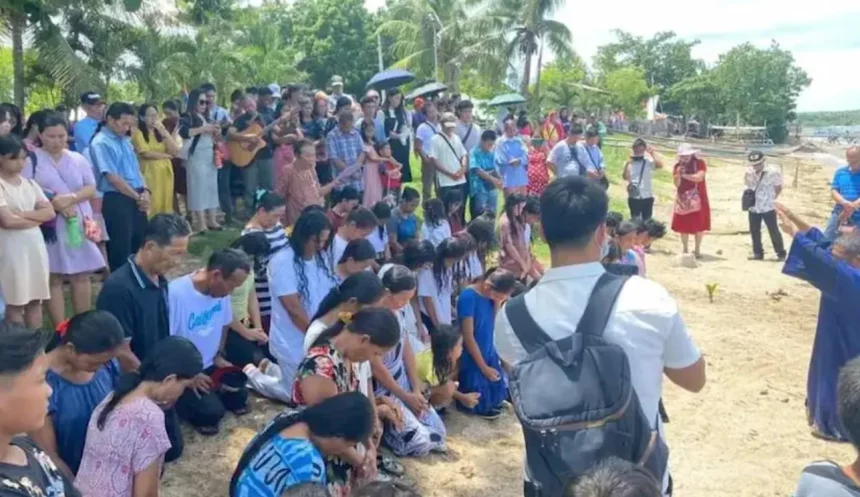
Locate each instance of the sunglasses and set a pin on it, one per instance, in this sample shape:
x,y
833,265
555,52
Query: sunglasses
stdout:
x,y
202,102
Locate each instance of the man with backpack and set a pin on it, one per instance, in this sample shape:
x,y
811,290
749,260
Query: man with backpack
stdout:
x,y
588,351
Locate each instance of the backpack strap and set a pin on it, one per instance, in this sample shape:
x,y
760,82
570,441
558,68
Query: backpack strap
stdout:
x,y
527,331
600,304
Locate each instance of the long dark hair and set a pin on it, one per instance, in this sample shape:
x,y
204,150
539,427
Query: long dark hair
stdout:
x,y
348,416
364,287
14,111
461,268
434,212
255,244
450,248
90,332
400,110
141,122
484,233
442,341
311,223
173,355
367,124
377,323
515,223
416,253
34,120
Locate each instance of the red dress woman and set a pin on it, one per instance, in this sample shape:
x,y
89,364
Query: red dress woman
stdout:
x,y
537,172
692,214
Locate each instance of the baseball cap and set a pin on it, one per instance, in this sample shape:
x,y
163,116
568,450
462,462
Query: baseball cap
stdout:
x,y
336,80
91,98
275,89
449,120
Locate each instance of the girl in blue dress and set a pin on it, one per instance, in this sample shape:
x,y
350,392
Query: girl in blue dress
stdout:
x,y
480,367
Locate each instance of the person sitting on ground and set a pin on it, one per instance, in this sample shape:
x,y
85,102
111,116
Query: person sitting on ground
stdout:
x,y
324,373
269,208
613,220
436,226
418,255
422,430
359,255
827,477
289,450
82,372
200,311
531,218
437,368
25,469
136,295
379,237
436,284
403,226
614,477
345,201
359,223
246,341
625,239
483,232
481,368
646,323
126,437
453,204
514,251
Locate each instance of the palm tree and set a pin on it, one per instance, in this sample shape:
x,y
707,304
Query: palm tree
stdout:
x,y
437,36
155,50
41,22
524,28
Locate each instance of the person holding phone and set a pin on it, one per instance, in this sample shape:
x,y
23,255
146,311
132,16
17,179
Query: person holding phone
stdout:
x,y
155,147
638,172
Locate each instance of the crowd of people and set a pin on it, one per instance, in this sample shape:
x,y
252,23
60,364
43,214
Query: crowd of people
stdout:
x,y
368,322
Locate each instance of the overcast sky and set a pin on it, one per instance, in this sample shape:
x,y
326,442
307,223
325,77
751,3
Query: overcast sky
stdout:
x,y
823,35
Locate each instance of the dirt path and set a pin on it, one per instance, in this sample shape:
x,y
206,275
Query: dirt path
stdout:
x,y
744,435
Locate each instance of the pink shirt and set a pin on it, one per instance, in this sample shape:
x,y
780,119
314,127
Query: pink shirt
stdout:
x,y
639,250
133,438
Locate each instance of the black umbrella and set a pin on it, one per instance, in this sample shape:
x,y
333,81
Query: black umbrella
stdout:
x,y
428,89
390,78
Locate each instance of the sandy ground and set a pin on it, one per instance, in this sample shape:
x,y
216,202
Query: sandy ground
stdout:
x,y
744,435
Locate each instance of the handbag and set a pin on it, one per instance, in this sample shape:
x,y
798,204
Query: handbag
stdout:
x,y
688,202
633,190
748,198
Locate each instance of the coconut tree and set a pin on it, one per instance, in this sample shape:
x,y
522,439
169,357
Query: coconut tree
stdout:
x,y
437,38
41,23
155,48
523,28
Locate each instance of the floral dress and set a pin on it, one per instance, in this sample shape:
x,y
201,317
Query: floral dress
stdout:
x,y
324,360
537,172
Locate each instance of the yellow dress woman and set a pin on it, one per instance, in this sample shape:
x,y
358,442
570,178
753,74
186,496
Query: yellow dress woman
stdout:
x,y
155,147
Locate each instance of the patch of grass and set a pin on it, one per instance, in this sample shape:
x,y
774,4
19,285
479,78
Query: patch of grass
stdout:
x,y
201,246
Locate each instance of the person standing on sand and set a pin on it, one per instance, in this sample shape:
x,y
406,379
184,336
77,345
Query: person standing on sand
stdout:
x,y
845,190
692,215
836,273
766,184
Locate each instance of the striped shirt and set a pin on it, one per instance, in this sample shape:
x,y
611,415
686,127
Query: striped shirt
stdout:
x,y
277,238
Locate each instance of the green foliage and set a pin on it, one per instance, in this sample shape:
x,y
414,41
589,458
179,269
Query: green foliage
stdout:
x,y
698,96
838,118
629,90
556,78
761,86
665,60
334,37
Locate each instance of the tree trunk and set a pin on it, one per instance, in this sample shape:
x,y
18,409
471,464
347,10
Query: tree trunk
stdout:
x,y
18,22
540,61
527,74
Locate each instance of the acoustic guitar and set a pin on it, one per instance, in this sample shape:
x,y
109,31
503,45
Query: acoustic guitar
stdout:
x,y
242,153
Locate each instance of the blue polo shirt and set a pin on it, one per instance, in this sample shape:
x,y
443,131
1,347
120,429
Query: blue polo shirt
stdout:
x,y
114,154
84,131
847,183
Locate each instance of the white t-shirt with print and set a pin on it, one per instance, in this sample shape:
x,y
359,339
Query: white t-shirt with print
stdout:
x,y
285,339
441,296
446,159
436,234
198,317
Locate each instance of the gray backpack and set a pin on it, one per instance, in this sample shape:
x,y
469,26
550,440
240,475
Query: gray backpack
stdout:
x,y
575,400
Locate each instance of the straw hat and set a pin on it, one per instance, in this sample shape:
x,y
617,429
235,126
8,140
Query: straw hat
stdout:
x,y
687,149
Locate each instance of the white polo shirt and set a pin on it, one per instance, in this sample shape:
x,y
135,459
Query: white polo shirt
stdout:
x,y
448,151
645,323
